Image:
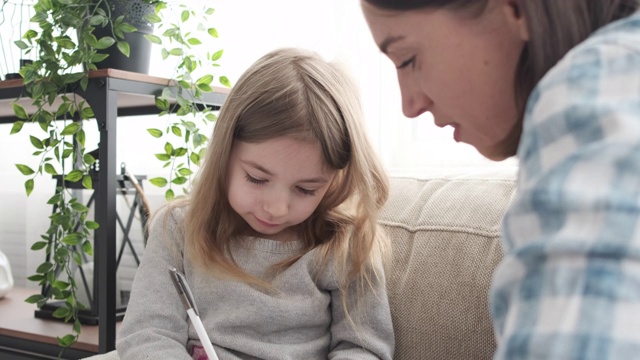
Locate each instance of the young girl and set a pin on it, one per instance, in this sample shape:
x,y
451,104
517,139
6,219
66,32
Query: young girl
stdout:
x,y
557,83
278,238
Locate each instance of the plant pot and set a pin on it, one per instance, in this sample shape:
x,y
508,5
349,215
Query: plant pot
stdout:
x,y
134,12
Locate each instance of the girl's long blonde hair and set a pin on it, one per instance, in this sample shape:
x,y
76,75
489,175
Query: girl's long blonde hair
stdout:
x,y
292,92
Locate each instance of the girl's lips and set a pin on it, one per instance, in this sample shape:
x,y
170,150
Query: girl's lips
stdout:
x,y
266,223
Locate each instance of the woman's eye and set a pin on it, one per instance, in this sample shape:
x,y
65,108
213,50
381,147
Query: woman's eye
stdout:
x,y
406,63
307,192
253,180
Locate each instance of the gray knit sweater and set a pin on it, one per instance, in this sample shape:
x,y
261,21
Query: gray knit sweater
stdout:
x,y
303,319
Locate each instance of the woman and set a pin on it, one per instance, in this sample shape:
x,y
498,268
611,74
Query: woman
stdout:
x,y
556,83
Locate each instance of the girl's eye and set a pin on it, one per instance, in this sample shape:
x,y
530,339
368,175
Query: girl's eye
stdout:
x,y
253,180
306,192
406,63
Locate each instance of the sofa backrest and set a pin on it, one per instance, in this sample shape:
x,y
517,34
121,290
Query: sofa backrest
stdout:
x,y
445,234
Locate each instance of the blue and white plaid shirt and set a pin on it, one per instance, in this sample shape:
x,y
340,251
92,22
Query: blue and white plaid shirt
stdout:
x,y
569,285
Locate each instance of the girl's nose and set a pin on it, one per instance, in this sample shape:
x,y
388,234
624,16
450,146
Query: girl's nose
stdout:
x,y
276,204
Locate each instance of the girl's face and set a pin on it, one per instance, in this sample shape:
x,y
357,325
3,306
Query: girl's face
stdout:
x,y
459,67
277,184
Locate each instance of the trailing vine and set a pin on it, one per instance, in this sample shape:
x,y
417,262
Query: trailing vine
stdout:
x,y
66,50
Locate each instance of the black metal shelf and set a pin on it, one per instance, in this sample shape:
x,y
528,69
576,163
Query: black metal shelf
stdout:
x,y
111,94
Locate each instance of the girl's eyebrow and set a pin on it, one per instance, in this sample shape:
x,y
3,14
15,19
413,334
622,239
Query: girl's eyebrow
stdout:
x,y
318,180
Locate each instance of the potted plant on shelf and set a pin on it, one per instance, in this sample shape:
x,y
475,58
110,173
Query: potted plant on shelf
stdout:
x,y
70,40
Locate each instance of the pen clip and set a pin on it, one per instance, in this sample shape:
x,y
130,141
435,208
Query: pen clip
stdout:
x,y
180,283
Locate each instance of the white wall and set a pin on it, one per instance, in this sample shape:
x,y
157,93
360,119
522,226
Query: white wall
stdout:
x,y
247,29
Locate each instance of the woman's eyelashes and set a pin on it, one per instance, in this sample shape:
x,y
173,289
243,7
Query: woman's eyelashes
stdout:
x,y
404,64
302,190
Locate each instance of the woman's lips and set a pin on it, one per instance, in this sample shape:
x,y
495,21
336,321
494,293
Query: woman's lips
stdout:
x,y
456,132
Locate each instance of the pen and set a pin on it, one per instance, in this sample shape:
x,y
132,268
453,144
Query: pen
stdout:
x,y
180,282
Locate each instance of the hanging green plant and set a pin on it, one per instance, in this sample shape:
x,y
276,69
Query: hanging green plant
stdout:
x,y
181,40
66,49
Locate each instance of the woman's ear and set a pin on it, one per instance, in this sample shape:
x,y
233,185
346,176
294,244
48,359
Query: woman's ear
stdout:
x,y
514,13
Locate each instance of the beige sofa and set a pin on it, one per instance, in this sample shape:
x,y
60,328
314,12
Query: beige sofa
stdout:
x,y
445,231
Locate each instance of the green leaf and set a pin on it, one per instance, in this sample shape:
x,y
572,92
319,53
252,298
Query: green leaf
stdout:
x,y
168,148
180,152
127,28
153,18
74,175
34,299
211,117
179,180
54,199
159,181
154,39
21,44
87,113
213,32
156,133
176,52
184,16
96,58
163,157
88,159
73,239
36,278
44,267
87,182
17,126
20,112
77,258
24,169
28,186
87,248
124,48
49,169
71,129
224,81
38,245
60,285
105,42
204,87
91,225
60,313
176,131
97,20
217,55
195,158
207,79
66,340
198,140
194,41
185,171
37,143
169,195
162,104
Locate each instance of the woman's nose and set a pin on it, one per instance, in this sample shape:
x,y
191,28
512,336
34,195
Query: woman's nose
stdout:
x,y
414,101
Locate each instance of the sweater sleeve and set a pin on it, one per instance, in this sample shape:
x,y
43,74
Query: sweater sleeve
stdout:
x,y
155,324
370,335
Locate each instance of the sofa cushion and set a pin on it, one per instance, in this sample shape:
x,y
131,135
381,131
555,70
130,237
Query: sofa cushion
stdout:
x,y
445,234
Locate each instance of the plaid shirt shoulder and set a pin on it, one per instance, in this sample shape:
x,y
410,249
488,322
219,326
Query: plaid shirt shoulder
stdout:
x,y
569,285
